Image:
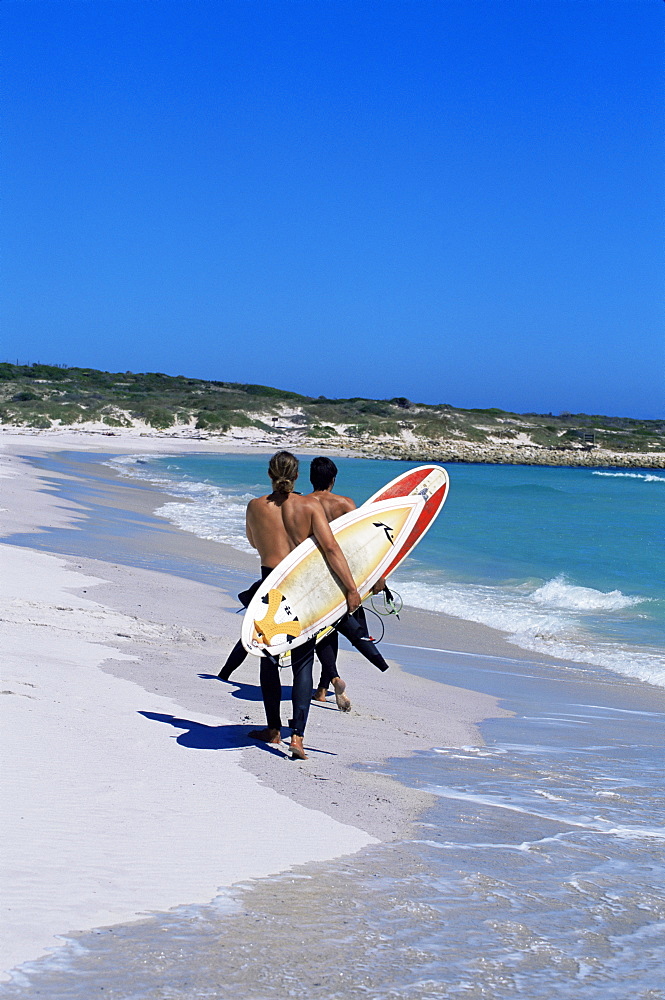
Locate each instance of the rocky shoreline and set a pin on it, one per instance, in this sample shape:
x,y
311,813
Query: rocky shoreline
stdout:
x,y
516,455
297,439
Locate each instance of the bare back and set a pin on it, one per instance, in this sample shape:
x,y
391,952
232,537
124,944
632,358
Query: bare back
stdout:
x,y
333,504
278,522
265,530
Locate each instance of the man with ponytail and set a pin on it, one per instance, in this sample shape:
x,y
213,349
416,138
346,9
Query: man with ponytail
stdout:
x,y
276,524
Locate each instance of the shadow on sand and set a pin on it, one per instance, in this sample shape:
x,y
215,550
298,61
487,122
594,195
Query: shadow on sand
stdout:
x,y
246,692
198,736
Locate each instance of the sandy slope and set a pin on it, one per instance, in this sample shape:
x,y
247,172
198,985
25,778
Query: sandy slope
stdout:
x,y
103,815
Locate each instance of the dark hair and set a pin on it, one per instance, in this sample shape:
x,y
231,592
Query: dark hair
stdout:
x,y
322,471
283,470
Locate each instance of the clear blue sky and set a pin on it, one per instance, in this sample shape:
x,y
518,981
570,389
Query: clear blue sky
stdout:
x,y
457,202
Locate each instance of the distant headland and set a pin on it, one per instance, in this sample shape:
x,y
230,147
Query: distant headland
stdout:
x,y
52,398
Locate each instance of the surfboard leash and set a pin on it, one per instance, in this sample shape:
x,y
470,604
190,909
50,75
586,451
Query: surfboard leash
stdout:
x,y
379,618
391,603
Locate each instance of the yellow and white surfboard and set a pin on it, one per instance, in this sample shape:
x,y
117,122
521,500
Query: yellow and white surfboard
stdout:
x,y
302,595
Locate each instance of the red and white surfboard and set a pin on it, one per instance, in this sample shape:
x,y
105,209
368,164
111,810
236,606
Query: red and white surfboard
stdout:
x,y
428,481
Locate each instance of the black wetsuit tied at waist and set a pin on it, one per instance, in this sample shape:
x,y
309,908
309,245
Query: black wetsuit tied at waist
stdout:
x,y
239,654
245,596
355,631
352,627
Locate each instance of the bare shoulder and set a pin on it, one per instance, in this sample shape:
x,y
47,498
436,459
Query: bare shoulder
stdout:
x,y
306,500
348,503
256,504
339,505
313,508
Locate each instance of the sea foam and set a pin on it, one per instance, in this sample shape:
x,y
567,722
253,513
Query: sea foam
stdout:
x,y
647,477
552,619
209,511
559,593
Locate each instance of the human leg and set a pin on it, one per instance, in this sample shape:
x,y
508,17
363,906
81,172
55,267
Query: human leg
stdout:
x,y
326,651
271,689
302,659
237,656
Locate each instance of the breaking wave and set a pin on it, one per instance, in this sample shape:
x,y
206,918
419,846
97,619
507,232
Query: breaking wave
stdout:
x,y
558,593
555,618
648,477
211,512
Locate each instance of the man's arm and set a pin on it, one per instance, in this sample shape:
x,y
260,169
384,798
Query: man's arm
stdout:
x,y
380,585
334,556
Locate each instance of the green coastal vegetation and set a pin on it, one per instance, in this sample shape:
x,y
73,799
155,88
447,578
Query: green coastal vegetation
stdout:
x,y
50,396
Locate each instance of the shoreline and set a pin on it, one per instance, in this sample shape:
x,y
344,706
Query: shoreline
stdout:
x,y
144,651
143,497
452,452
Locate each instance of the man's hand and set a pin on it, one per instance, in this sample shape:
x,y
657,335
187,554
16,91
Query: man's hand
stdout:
x,y
379,586
353,601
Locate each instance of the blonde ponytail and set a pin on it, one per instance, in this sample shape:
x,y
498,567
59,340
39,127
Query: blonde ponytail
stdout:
x,y
283,470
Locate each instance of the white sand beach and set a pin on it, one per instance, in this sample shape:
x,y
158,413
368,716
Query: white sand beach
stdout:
x,y
129,785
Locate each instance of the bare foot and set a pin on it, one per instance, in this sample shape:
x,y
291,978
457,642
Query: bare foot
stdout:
x,y
343,703
266,735
320,694
297,749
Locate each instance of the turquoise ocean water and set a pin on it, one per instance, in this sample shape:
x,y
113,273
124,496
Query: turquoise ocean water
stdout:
x,y
540,869
568,562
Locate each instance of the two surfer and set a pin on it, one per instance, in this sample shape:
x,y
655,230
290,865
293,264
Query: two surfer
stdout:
x,y
276,523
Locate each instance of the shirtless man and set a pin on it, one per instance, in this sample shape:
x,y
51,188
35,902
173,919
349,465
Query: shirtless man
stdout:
x,y
276,523
322,475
